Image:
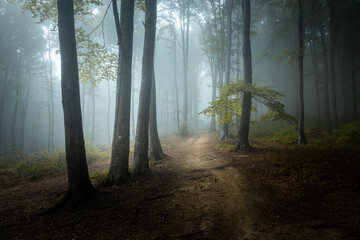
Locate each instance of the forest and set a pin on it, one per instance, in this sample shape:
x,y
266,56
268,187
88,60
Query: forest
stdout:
x,y
179,119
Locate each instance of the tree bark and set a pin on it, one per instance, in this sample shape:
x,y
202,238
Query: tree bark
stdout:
x,y
316,79
301,132
79,186
243,134
156,151
184,27
229,8
353,67
141,158
175,82
119,167
326,79
93,117
335,123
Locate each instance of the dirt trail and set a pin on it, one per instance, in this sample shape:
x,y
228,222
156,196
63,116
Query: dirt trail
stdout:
x,y
212,194
214,200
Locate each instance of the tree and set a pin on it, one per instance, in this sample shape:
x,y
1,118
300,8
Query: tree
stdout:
x,y
79,185
141,158
156,151
121,139
301,138
242,143
184,12
335,123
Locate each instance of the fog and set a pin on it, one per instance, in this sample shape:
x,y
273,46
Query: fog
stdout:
x,y
31,115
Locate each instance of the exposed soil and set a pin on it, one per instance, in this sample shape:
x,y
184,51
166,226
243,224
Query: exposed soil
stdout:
x,y
199,192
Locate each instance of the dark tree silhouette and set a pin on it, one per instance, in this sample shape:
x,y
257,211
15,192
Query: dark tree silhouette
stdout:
x,y
141,157
243,133
79,186
119,172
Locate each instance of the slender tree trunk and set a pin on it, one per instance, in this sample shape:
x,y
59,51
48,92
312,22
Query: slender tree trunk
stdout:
x,y
316,80
326,79
335,123
2,104
176,84
229,8
156,151
93,117
353,69
141,158
52,115
243,134
17,100
108,112
83,99
119,171
79,186
213,97
48,95
133,100
184,25
23,109
301,132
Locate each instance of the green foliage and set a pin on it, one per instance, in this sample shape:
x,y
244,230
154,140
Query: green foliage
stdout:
x,y
99,177
94,153
228,103
347,137
96,63
18,166
47,9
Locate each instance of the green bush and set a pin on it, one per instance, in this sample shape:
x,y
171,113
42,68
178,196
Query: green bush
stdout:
x,y
99,177
18,166
347,137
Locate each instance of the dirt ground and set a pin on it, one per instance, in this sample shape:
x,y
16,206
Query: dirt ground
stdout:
x,y
197,193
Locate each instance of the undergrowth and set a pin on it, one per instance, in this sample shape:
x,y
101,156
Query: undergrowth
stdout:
x,y
18,166
328,163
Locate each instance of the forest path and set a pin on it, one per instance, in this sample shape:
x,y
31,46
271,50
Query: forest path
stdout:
x,y
211,200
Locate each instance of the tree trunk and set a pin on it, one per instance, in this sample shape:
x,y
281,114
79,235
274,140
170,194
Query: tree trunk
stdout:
x,y
119,167
326,79
108,112
17,100
229,8
243,134
353,68
176,84
93,117
133,100
156,151
2,104
23,109
184,25
335,123
301,132
213,97
316,79
52,114
141,158
79,186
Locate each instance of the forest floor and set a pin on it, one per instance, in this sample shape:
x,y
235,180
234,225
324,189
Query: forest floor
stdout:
x,y
201,191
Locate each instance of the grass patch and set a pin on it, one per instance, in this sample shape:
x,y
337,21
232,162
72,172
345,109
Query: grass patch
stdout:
x,y
18,166
308,173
